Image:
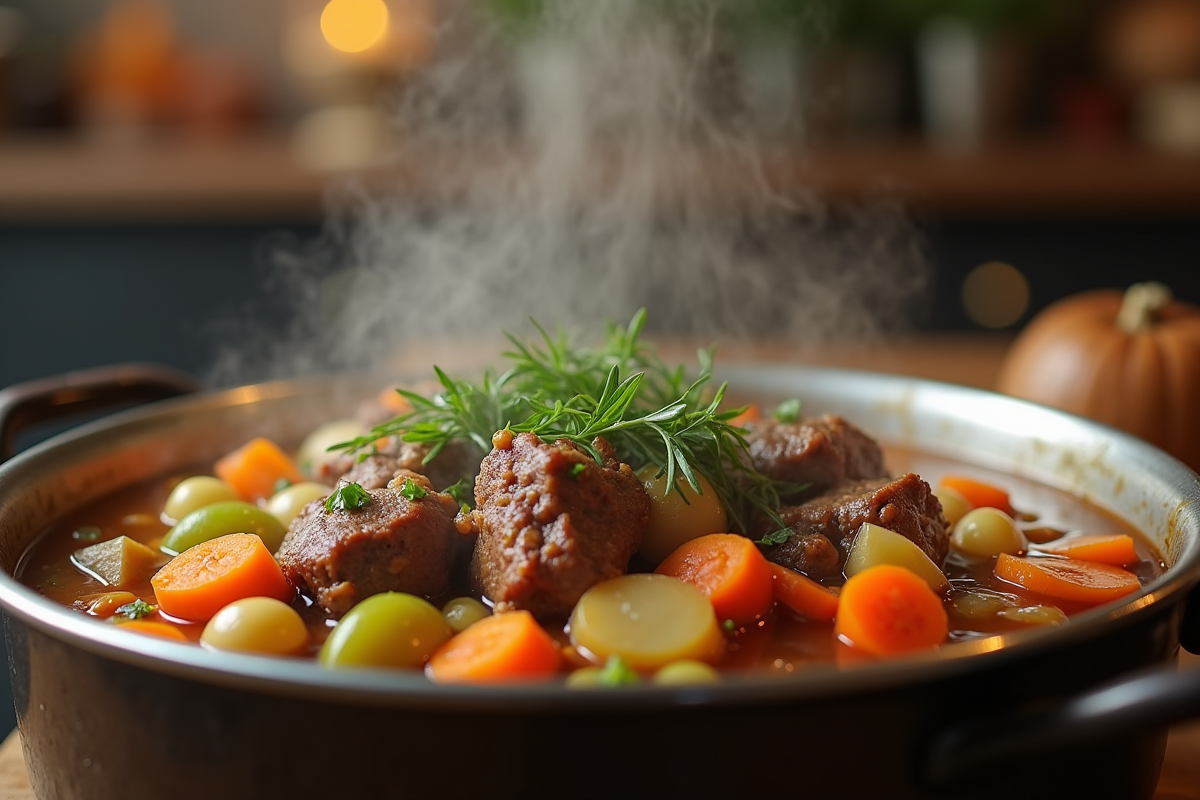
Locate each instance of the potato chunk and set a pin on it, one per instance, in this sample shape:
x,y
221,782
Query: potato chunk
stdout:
x,y
119,562
874,544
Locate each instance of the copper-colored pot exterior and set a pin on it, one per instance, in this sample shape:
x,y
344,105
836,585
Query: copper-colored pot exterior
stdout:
x,y
102,717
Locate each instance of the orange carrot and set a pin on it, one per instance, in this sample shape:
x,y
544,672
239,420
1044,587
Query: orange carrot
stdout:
x,y
978,493
505,647
254,469
1067,578
393,401
202,580
804,595
1104,548
730,569
886,609
752,414
164,629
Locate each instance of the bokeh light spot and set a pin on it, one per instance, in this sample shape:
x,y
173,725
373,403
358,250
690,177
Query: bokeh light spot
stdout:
x,y
353,26
995,295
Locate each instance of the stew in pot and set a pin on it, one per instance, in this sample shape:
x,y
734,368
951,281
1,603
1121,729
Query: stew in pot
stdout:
x,y
589,515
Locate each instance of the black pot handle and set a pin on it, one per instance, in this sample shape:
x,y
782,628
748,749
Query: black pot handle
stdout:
x,y
1149,700
85,391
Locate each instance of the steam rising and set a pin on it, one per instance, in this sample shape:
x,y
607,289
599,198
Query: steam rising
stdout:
x,y
573,171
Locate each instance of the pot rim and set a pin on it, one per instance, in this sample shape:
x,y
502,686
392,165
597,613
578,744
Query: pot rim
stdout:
x,y
305,678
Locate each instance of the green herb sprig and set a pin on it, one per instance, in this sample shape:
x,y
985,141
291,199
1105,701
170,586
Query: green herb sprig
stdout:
x,y
650,413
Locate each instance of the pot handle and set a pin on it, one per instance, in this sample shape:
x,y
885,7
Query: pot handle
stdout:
x,y
1144,701
84,391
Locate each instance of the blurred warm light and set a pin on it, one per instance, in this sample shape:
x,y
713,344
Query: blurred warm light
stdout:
x,y
411,32
995,295
353,26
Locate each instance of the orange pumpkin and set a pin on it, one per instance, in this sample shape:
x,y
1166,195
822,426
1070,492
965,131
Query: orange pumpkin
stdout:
x,y
1131,360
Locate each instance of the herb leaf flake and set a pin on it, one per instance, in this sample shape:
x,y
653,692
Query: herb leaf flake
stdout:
x,y
350,497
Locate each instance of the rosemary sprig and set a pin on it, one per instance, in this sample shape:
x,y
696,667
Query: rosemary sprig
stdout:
x,y
653,416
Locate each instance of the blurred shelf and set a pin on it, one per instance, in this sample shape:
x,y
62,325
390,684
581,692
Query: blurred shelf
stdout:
x,y
1028,179
64,179
256,178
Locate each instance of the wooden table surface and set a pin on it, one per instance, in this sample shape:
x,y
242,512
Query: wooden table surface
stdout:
x,y
972,360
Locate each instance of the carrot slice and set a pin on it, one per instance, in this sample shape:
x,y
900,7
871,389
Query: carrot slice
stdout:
x,y
752,413
164,629
1067,578
1104,548
979,493
803,595
501,648
202,580
885,610
730,569
255,468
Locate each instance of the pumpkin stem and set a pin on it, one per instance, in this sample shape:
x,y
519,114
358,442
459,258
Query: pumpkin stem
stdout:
x,y
1141,306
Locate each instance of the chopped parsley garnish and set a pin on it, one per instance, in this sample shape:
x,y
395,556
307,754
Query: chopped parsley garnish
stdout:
x,y
280,485
576,469
461,492
787,411
412,490
616,672
347,498
88,533
137,609
778,537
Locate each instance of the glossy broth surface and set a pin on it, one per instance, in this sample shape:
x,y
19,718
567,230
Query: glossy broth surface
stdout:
x,y
780,642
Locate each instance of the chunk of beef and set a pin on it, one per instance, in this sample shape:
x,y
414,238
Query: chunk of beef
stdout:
x,y
824,527
820,452
391,544
553,523
373,472
458,460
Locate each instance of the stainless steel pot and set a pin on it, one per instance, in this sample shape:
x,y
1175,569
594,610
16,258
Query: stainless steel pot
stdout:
x,y
1076,711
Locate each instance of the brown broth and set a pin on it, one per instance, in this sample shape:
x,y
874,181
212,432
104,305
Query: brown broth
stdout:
x,y
781,642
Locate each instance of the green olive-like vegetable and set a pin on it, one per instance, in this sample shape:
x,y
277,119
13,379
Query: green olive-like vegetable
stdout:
x,y
677,517
287,503
196,492
586,678
257,625
1035,615
218,519
987,532
686,672
463,612
978,605
954,505
392,629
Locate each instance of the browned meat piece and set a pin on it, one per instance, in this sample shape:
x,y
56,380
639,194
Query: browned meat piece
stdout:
x,y
373,472
391,544
553,523
823,528
459,459
820,452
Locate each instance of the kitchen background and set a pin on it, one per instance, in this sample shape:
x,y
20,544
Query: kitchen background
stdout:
x,y
159,158
155,154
